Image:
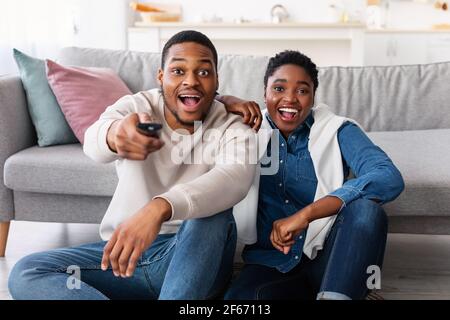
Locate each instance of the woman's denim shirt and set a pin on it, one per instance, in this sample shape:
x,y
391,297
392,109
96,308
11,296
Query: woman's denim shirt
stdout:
x,y
293,187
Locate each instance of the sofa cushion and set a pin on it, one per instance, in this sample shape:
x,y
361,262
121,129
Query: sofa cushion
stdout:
x,y
61,169
48,120
423,158
84,93
389,98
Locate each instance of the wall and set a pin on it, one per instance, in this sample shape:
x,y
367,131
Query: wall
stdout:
x,y
41,27
38,28
100,23
415,15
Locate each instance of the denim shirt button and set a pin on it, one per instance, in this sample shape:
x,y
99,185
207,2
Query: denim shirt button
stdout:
x,y
281,161
286,201
296,257
282,144
280,184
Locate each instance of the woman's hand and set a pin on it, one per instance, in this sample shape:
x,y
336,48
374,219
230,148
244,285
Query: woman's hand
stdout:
x,y
286,230
249,110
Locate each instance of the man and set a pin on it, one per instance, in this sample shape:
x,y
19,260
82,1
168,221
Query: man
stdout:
x,y
158,186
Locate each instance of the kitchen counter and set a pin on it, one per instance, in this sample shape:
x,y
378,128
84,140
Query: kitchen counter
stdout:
x,y
247,25
430,30
256,31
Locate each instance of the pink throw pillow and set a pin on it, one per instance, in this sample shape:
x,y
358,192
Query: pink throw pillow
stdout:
x,y
84,93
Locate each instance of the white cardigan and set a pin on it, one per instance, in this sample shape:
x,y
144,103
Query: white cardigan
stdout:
x,y
326,157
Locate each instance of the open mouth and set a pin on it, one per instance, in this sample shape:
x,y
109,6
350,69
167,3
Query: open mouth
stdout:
x,y
288,114
190,101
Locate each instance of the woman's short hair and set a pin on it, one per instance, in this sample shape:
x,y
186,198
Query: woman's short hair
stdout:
x,y
292,57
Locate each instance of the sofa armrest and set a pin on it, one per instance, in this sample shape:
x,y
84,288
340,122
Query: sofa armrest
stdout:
x,y
16,133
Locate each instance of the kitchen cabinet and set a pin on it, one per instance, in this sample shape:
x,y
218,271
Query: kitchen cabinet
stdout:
x,y
345,40
143,39
407,47
439,48
393,49
327,44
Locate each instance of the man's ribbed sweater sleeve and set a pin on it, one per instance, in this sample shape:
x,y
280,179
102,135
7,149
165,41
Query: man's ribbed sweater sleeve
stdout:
x,y
226,184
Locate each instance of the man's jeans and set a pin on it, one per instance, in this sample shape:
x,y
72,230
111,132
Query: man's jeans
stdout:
x,y
340,271
194,263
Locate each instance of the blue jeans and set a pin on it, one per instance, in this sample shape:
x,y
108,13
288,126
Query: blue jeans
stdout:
x,y
340,271
194,263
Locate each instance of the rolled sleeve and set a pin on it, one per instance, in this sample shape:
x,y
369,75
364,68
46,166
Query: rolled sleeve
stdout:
x,y
347,194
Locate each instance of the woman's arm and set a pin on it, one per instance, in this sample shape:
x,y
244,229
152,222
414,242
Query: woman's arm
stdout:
x,y
249,110
284,231
376,176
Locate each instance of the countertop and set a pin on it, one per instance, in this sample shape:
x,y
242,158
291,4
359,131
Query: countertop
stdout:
x,y
430,30
318,25
249,25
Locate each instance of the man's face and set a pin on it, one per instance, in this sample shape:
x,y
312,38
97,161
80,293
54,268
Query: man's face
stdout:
x,y
189,82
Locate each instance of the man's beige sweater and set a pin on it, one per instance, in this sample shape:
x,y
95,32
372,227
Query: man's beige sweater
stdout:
x,y
199,174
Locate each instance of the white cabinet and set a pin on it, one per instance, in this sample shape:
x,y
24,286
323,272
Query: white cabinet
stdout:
x,y
439,48
394,49
345,41
146,40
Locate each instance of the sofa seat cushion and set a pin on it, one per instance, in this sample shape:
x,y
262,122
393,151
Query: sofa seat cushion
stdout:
x,y
423,158
63,169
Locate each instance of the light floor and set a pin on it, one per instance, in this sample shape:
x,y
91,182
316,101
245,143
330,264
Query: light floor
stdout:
x,y
416,266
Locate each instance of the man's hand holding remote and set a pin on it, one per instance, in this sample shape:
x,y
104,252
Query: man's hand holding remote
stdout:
x,y
124,138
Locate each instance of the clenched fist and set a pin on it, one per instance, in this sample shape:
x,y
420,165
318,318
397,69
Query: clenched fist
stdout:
x,y
124,138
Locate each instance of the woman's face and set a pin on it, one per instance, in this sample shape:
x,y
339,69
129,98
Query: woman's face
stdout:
x,y
289,97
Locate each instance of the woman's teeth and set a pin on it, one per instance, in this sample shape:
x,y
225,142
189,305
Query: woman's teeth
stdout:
x,y
288,110
288,113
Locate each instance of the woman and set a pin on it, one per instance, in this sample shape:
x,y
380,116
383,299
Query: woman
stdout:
x,y
321,234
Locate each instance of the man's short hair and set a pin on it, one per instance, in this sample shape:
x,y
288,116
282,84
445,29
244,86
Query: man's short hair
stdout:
x,y
188,36
292,57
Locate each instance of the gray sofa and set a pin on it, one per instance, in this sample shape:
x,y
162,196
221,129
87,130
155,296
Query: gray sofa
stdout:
x,y
405,109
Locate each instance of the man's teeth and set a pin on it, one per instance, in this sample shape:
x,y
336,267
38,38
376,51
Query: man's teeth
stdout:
x,y
189,96
288,110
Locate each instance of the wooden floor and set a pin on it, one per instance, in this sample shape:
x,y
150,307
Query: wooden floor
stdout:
x,y
416,266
